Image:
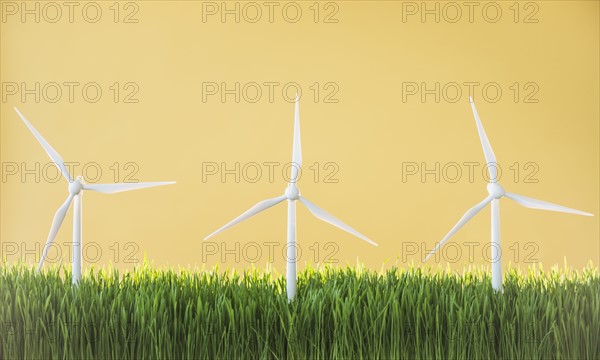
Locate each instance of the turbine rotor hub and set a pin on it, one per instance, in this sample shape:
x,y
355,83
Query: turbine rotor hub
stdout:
x,y
495,190
292,192
76,186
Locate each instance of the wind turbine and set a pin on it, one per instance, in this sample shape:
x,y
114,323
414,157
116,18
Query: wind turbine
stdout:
x,y
495,193
291,195
76,187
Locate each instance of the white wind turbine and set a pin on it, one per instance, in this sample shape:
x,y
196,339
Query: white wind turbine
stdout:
x,y
496,191
76,187
291,195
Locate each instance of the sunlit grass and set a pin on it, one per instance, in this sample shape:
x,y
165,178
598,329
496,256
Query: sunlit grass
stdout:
x,y
347,313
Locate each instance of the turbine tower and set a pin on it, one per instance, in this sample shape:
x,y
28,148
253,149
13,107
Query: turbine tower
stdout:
x,y
495,193
292,194
76,188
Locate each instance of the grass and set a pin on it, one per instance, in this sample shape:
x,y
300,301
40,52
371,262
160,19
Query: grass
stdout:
x,y
346,313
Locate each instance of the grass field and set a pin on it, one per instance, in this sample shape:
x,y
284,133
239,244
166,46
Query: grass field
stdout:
x,y
345,313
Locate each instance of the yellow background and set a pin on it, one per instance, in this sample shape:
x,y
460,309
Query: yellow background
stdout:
x,y
369,133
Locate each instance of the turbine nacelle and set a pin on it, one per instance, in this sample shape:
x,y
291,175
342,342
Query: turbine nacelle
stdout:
x,y
495,190
76,186
292,192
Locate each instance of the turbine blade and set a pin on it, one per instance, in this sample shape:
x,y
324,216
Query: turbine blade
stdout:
x,y
297,147
490,158
466,217
328,218
263,205
543,205
58,219
120,187
56,159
